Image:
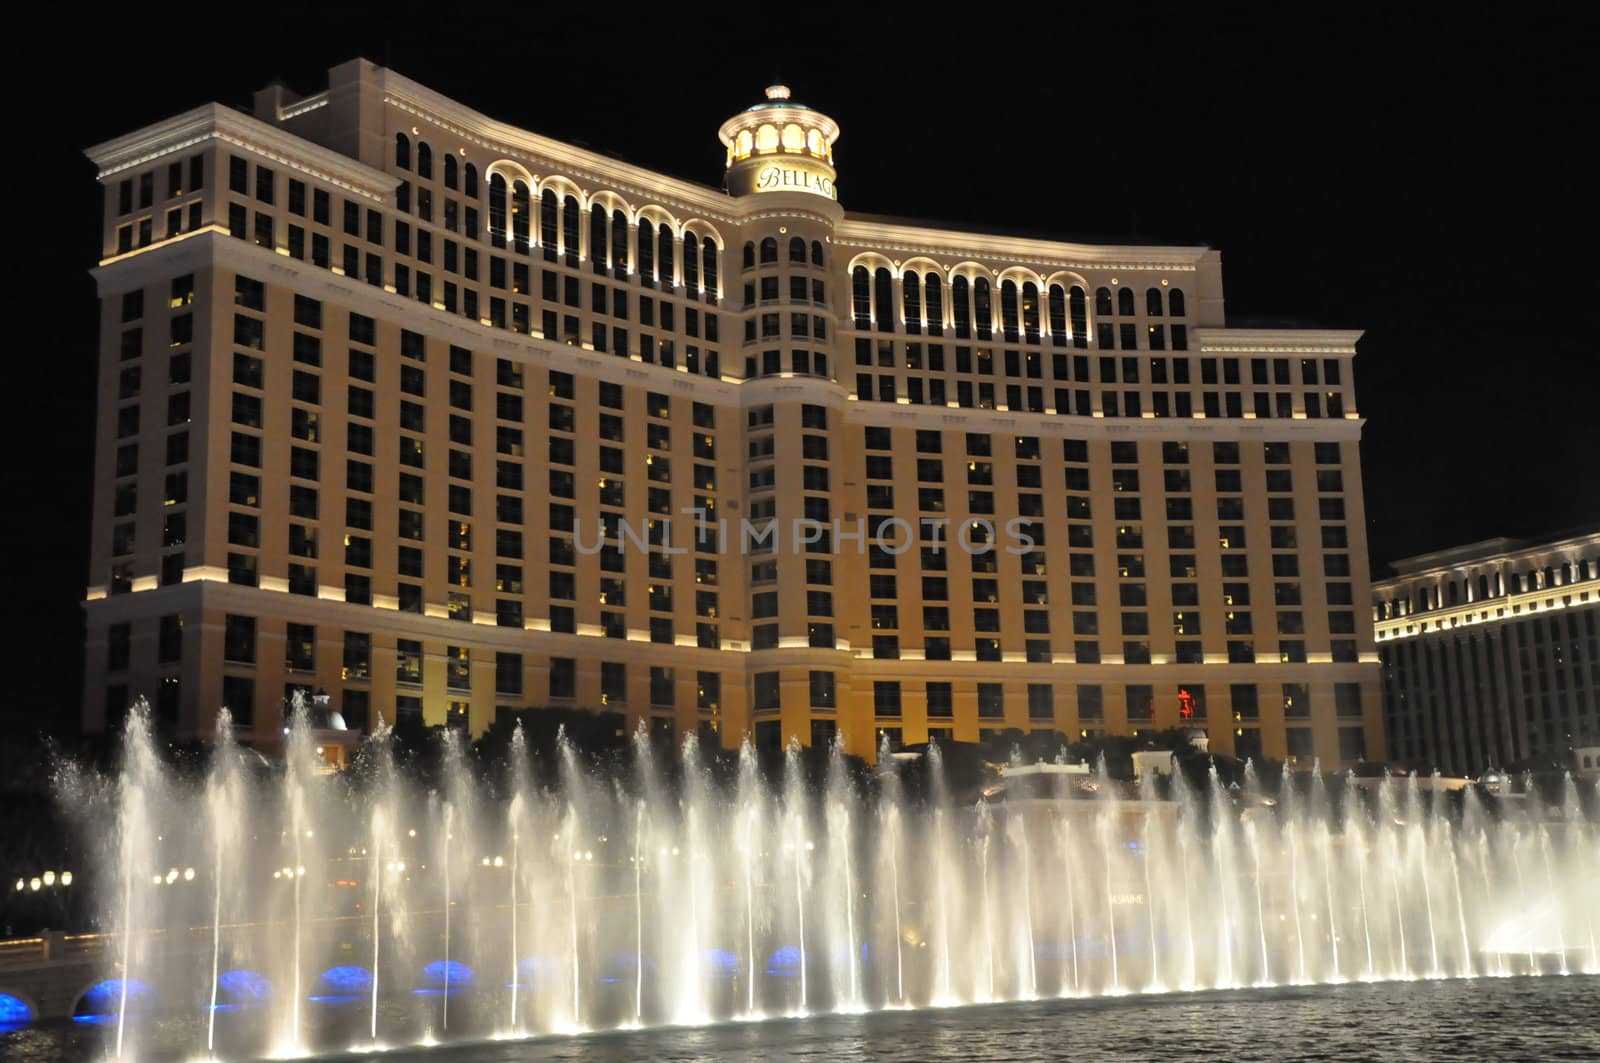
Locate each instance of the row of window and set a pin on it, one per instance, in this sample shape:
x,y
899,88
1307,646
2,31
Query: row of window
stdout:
x,y
1063,316
240,649
1455,591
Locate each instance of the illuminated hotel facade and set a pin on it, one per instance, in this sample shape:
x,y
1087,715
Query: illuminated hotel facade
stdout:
x,y
1491,653
443,417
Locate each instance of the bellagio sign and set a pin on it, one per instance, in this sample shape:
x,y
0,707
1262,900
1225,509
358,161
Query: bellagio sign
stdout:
x,y
776,178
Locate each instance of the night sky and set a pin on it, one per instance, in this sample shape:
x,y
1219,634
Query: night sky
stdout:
x,y
1410,177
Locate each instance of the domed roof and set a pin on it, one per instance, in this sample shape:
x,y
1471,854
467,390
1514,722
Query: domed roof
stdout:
x,y
321,714
777,96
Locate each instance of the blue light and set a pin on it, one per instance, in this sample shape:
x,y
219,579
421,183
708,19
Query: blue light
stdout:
x,y
450,973
785,962
245,987
103,1000
14,1013
720,963
346,979
342,985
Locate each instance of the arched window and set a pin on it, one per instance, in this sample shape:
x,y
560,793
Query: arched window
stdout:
x,y
911,303
570,221
664,256
1549,578
883,299
619,244
769,250
982,311
645,264
599,243
1483,587
797,250
960,309
402,151
1515,583
1152,302
470,185
816,252
521,215
933,301
1030,311
549,224
861,296
452,172
1175,302
1078,300
424,161
691,262
1008,310
1058,315
1125,302
1102,302
750,254
708,259
497,210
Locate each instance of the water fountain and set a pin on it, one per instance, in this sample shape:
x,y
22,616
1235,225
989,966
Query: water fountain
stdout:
x,y
684,888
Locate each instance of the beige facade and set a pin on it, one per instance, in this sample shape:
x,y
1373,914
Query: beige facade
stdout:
x,y
381,375
1491,654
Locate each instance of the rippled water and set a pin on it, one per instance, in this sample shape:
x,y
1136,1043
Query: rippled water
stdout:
x,y
1506,1019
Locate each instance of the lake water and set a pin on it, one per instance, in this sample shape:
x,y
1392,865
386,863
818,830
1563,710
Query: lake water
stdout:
x,y
1500,1019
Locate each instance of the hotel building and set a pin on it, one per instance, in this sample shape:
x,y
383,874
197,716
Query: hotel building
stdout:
x,y
1491,654
441,416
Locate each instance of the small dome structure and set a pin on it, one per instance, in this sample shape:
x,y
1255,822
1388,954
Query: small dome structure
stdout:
x,y
780,146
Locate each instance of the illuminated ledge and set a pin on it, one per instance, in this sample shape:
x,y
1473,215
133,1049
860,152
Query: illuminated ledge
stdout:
x,y
215,122
1276,341
1514,607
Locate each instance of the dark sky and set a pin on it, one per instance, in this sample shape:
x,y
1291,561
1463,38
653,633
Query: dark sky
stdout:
x,y
1390,173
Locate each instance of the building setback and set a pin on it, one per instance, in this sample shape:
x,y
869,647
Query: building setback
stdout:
x,y
441,416
1490,653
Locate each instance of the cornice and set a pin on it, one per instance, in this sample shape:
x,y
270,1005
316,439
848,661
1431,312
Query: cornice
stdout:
x,y
913,239
1461,560
1487,611
213,121
427,105
1264,341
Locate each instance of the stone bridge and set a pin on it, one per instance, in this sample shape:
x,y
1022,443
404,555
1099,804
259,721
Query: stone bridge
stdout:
x,y
51,973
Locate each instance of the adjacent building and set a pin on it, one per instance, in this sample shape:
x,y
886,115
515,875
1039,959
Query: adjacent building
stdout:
x,y
1491,655
440,416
